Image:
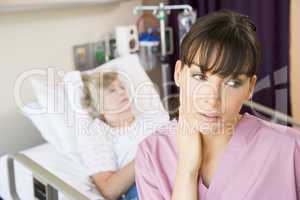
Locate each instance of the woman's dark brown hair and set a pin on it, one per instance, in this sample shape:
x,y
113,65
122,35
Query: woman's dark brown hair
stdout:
x,y
231,35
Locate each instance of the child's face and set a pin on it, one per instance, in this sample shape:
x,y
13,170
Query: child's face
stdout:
x,y
115,98
216,101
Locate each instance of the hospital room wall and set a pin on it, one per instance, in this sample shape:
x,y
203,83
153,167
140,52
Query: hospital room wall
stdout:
x,y
41,39
295,59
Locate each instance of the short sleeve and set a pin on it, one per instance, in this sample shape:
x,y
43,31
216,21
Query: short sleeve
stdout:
x,y
96,149
145,179
297,167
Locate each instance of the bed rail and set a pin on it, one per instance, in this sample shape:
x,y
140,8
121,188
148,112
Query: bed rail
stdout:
x,y
51,183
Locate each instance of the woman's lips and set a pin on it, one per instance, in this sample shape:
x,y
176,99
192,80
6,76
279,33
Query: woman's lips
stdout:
x,y
209,117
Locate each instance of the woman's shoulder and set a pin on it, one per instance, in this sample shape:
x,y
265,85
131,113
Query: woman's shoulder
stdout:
x,y
163,137
279,131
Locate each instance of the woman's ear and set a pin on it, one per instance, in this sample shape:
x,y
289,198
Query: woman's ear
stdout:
x,y
252,86
177,72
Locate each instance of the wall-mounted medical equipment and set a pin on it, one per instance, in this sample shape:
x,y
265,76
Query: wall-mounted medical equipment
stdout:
x,y
127,39
90,55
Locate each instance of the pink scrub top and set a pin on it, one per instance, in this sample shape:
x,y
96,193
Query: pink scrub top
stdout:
x,y
261,162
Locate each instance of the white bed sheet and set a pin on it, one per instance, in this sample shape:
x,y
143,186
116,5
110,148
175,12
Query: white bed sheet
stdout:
x,y
71,172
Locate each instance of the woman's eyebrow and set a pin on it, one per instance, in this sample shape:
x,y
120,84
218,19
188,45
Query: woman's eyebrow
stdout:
x,y
198,67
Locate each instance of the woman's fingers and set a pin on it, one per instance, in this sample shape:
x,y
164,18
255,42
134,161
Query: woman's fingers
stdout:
x,y
189,120
188,140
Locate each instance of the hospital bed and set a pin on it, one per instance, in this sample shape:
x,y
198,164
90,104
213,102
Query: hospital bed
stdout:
x,y
46,172
43,173
49,172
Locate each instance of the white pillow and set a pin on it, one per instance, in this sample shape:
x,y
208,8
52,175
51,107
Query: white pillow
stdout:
x,y
59,102
141,89
54,119
55,129
51,96
43,123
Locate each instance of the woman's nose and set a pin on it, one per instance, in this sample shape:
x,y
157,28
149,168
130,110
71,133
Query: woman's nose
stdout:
x,y
212,101
210,96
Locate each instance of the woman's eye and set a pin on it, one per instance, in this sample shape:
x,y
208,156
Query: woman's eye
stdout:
x,y
112,90
199,76
234,83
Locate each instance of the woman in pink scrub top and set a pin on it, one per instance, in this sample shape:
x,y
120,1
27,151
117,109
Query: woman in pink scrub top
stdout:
x,y
212,152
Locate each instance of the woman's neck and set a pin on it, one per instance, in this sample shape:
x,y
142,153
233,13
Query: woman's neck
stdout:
x,y
214,143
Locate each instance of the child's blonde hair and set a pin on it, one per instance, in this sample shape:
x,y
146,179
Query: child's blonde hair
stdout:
x,y
94,85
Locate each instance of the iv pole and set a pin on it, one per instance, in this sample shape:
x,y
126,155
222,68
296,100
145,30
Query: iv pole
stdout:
x,y
160,12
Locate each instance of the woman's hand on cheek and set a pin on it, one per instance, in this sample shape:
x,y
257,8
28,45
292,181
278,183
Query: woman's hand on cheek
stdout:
x,y
188,138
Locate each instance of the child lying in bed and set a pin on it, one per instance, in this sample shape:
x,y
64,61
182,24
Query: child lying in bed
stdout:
x,y
109,149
